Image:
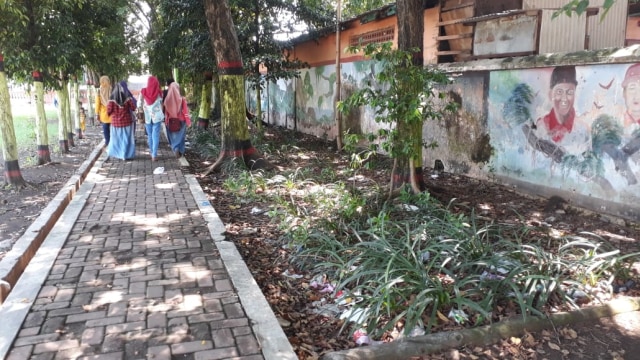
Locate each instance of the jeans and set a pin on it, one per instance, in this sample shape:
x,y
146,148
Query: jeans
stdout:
x,y
106,132
153,137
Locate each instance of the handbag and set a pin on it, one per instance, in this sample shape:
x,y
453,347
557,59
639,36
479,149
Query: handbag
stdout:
x,y
174,124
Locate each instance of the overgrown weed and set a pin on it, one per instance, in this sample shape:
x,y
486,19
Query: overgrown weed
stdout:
x,y
412,263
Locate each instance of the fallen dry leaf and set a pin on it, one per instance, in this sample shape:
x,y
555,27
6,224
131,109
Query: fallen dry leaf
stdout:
x,y
553,346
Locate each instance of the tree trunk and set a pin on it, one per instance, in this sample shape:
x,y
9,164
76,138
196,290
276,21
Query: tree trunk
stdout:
x,y
408,169
215,98
437,343
259,108
177,77
12,174
205,101
42,134
75,106
62,123
67,112
234,131
91,98
89,120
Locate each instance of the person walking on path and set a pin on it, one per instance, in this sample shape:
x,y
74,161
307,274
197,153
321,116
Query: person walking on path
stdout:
x,y
120,108
102,100
128,93
153,116
176,108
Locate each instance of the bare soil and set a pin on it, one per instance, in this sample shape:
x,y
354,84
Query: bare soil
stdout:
x,y
20,207
312,334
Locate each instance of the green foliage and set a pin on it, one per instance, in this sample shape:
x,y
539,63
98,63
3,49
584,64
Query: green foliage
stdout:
x,y
588,164
580,6
354,8
59,38
413,261
401,93
516,109
360,157
417,268
605,130
180,39
264,29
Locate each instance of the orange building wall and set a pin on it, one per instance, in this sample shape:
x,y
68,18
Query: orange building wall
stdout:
x,y
633,30
323,51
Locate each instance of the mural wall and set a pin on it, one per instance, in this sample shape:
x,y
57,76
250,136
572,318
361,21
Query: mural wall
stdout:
x,y
571,128
307,103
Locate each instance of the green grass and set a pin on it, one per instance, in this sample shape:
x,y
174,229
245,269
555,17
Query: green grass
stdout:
x,y
24,122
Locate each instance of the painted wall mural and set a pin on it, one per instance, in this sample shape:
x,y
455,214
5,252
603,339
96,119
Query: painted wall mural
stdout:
x,y
310,98
571,128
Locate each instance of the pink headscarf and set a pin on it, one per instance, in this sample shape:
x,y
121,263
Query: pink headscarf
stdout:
x,y
173,101
152,91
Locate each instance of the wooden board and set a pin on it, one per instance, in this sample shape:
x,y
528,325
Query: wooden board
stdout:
x,y
506,35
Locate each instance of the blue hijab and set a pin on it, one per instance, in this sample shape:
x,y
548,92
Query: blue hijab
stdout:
x,y
128,93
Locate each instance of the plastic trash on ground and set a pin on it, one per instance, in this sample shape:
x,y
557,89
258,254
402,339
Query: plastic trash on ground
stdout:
x,y
291,276
490,276
328,310
459,316
417,331
257,211
407,207
360,337
357,315
159,170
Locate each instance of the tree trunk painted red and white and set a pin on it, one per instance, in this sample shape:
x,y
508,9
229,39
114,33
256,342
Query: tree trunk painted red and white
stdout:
x,y
235,133
12,174
408,170
42,135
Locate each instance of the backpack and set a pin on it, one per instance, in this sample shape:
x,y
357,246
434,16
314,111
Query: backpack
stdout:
x,y
154,111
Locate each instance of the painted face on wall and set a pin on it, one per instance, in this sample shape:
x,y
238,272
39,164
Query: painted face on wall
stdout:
x,y
563,95
632,98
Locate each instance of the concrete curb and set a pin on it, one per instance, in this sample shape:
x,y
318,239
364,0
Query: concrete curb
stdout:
x,y
16,306
17,259
273,341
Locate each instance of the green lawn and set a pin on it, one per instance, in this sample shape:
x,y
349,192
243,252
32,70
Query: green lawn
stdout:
x,y
24,122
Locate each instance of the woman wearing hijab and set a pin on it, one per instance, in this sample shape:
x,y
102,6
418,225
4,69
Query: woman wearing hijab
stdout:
x,y
102,100
153,116
120,107
128,93
175,107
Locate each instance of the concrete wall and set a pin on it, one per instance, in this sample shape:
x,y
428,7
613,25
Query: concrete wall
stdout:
x,y
595,164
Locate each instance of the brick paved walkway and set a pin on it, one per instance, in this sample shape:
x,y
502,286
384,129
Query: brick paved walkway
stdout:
x,y
137,268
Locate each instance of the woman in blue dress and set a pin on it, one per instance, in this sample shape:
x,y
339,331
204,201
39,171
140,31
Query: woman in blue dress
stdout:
x,y
175,107
120,107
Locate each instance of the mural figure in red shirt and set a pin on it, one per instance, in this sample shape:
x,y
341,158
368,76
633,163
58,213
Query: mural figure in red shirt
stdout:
x,y
563,136
562,92
559,133
631,94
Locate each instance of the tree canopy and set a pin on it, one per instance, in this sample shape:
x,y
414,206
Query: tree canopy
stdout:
x,y
57,37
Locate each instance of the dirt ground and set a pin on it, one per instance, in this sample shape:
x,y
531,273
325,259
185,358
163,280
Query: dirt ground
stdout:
x,y
312,334
20,207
